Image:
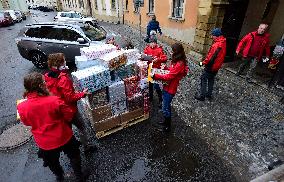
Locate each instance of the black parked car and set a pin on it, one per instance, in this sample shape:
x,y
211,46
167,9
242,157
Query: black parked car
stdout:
x,y
44,9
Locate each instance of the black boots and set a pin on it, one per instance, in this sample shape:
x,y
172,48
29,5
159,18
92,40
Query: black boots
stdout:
x,y
166,124
159,92
200,98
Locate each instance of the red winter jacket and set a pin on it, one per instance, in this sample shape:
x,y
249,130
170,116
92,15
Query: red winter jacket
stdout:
x,y
177,72
246,43
49,118
58,83
216,55
156,52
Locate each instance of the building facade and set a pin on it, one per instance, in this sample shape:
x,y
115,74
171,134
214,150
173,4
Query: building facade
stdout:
x,y
14,5
190,21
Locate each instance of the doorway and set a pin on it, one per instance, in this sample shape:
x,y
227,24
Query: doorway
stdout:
x,y
232,24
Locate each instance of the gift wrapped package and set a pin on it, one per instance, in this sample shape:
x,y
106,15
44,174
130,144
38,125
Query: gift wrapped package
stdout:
x,y
128,70
98,98
146,103
101,113
116,92
159,71
83,62
93,78
97,51
135,102
132,54
143,69
114,59
144,84
118,108
132,86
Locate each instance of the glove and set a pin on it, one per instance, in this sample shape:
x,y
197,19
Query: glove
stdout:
x,y
200,64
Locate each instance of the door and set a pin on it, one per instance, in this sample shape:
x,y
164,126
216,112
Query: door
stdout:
x,y
232,25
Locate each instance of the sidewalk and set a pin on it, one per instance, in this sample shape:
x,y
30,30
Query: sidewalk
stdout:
x,y
244,124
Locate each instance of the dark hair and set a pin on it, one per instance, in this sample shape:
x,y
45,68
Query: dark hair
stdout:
x,y
56,60
33,82
154,17
178,53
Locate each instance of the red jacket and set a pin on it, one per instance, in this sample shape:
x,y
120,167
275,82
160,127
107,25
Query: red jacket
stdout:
x,y
246,43
216,55
156,52
59,84
177,72
49,118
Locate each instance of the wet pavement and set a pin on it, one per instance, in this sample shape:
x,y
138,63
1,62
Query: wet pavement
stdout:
x,y
231,139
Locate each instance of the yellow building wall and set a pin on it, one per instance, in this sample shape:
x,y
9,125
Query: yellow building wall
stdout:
x,y
178,29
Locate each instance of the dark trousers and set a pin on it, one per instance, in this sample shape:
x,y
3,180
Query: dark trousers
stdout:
x,y
250,62
51,157
167,100
158,90
207,81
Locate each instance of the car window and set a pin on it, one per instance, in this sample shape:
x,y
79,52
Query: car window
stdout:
x,y
33,32
69,35
75,15
95,33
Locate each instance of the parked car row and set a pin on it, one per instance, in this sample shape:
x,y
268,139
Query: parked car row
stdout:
x,y
9,17
41,8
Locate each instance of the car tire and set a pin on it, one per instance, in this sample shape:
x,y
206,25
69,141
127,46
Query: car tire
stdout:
x,y
39,60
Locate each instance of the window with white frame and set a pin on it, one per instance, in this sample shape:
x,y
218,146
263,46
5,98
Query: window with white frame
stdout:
x,y
177,10
151,6
96,4
113,4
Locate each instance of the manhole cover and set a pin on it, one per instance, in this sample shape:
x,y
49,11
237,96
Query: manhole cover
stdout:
x,y
15,136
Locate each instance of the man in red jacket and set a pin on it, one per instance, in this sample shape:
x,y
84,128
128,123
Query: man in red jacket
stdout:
x,y
157,53
212,63
252,48
50,119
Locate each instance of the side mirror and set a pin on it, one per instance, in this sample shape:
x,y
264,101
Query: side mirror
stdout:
x,y
81,41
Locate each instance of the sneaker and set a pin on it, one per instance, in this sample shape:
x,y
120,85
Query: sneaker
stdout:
x,y
200,98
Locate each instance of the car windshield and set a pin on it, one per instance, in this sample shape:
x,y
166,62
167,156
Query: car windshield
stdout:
x,y
75,15
95,33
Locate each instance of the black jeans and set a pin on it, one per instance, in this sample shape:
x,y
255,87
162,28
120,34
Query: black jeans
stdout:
x,y
51,157
207,79
158,90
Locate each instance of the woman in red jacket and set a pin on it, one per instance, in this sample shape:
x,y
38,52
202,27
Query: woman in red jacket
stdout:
x,y
50,120
178,70
58,83
157,53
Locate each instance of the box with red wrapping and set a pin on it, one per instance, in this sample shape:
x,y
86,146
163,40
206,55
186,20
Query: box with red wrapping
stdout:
x,y
132,86
98,98
135,102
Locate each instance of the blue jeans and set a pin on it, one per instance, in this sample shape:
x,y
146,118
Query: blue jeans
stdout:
x,y
167,100
207,81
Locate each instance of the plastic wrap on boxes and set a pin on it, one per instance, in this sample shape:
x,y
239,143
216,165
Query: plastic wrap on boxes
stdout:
x,y
118,108
143,69
83,62
116,92
135,102
98,98
101,113
93,78
114,59
132,54
128,70
132,86
97,51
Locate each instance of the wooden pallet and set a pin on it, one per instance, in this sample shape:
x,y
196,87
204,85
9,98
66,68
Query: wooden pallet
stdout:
x,y
122,126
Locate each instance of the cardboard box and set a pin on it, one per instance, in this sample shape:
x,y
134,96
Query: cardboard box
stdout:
x,y
107,124
98,98
101,113
129,116
135,102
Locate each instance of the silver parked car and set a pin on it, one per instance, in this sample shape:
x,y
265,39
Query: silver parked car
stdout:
x,y
35,42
